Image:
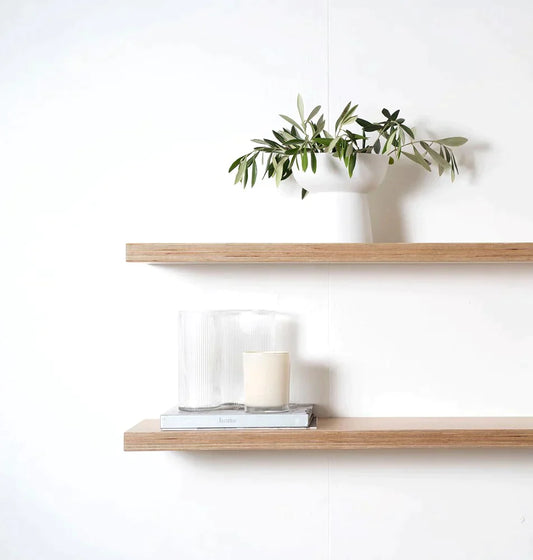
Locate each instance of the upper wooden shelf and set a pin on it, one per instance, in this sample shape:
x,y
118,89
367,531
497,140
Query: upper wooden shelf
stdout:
x,y
204,253
342,433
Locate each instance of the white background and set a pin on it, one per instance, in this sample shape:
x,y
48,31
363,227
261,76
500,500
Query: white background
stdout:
x,y
118,120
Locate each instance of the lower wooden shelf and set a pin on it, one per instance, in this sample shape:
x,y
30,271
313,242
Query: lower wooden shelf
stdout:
x,y
209,253
342,433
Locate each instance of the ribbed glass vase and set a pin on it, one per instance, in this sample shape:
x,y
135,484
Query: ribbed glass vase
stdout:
x,y
198,381
210,348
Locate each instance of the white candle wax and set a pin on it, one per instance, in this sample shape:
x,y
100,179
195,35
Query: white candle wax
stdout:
x,y
266,380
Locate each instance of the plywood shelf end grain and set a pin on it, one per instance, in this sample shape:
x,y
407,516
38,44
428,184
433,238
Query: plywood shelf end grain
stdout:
x,y
342,433
241,253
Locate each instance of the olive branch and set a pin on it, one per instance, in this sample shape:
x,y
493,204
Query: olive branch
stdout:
x,y
298,144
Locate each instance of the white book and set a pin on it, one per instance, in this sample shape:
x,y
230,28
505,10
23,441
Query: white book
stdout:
x,y
298,416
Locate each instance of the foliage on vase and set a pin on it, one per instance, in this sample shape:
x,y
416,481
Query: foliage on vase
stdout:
x,y
298,142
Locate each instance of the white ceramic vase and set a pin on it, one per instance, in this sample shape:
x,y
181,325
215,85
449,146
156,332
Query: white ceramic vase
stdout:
x,y
337,205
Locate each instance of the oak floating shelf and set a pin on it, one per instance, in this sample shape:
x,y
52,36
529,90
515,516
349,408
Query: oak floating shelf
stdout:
x,y
341,433
239,253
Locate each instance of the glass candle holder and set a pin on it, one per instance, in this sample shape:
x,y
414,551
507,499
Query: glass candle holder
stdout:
x,y
235,332
266,381
210,349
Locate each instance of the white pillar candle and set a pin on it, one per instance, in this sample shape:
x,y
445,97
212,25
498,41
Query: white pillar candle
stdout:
x,y
266,381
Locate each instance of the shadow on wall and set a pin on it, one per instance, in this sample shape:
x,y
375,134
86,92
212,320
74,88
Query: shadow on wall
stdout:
x,y
410,463
403,180
386,202
310,380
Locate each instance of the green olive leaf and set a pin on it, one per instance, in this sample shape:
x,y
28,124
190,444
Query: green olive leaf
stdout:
x,y
313,113
304,160
313,162
300,103
453,141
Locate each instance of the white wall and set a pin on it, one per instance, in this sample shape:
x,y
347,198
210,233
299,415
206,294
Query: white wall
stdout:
x,y
118,121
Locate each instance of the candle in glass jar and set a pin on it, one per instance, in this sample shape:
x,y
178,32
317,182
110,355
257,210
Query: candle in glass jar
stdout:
x,y
266,381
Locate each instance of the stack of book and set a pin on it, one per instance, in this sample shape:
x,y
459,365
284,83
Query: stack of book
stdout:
x,y
298,416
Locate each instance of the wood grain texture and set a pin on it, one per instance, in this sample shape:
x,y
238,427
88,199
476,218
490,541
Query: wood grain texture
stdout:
x,y
342,433
203,253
